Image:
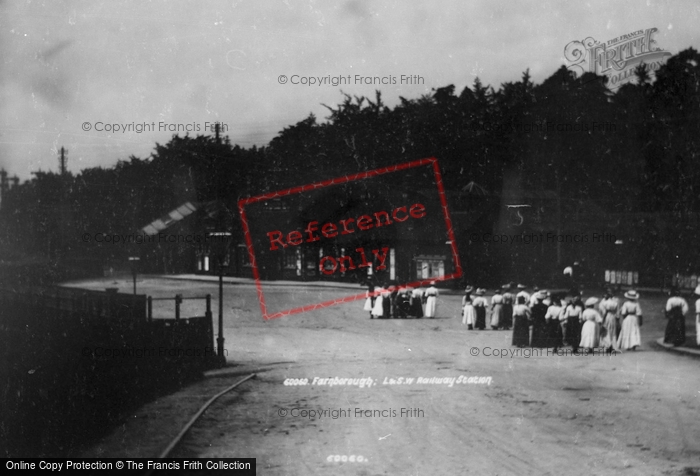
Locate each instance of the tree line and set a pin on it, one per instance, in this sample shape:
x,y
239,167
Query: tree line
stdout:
x,y
632,151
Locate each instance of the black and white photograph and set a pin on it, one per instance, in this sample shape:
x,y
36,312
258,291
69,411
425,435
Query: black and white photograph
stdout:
x,y
294,237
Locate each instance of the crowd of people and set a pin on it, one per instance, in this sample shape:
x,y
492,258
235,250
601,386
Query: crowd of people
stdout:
x,y
541,319
401,302
544,320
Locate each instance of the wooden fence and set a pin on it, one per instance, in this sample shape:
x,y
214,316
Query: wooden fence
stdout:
x,y
75,358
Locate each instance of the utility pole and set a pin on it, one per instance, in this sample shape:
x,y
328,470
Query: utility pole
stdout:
x,y
62,161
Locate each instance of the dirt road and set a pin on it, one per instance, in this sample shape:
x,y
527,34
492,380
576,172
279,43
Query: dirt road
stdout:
x,y
632,413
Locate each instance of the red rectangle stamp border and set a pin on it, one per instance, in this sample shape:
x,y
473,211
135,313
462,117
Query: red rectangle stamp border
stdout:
x,y
336,181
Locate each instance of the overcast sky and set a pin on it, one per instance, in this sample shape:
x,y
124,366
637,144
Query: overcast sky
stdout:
x,y
65,63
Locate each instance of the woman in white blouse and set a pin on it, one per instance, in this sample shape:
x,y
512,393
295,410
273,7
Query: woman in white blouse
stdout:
x,y
590,332
378,308
496,309
676,309
521,323
573,314
631,312
554,334
468,311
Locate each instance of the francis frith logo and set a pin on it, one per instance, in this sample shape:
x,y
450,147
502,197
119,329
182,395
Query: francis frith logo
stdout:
x,y
616,58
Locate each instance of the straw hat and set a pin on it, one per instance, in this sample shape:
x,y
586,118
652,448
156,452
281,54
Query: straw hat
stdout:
x,y
480,292
591,301
521,286
541,295
632,294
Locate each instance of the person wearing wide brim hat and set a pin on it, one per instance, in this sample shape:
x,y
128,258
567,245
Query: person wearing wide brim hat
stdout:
x,y
555,337
540,295
573,312
697,316
521,323
540,336
480,305
533,297
403,302
523,293
590,332
631,314
496,309
676,309
417,303
431,295
547,298
468,311
467,301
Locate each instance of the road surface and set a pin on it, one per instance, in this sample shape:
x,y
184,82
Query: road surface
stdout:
x,y
477,408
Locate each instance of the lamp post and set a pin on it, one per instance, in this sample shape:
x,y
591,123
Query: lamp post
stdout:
x,y
220,240
133,260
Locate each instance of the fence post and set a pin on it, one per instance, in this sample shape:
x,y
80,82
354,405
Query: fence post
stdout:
x,y
178,300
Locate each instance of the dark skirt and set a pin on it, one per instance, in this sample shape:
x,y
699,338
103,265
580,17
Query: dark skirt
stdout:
x,y
403,306
539,333
675,329
417,308
507,316
521,331
386,307
480,317
573,331
555,337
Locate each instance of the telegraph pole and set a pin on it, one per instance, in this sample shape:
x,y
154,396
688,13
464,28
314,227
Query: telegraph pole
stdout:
x,y
62,161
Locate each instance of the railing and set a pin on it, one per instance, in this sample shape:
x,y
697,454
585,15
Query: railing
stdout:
x,y
178,301
63,301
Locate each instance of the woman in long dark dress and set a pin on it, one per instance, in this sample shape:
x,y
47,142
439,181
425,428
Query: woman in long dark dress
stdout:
x,y
508,301
521,323
539,321
479,304
417,303
574,313
387,302
369,302
676,309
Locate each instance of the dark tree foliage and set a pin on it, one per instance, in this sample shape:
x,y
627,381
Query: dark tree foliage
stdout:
x,y
632,151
